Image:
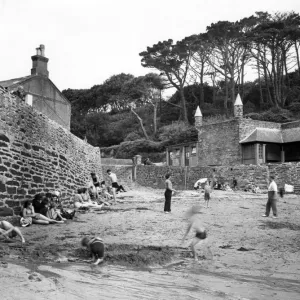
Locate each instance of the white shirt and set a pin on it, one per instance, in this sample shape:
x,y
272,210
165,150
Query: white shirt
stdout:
x,y
113,177
272,186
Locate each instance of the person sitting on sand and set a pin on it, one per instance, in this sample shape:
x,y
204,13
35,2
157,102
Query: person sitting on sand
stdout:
x,y
80,203
196,224
102,199
8,231
96,247
28,212
104,191
52,212
39,205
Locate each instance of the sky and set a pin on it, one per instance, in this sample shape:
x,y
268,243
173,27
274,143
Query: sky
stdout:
x,y
89,41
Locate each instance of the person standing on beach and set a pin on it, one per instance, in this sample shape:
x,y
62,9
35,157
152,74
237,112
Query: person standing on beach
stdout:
x,y
168,193
207,191
272,198
114,183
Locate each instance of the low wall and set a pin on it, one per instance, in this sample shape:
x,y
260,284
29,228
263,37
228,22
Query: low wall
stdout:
x,y
114,161
185,177
38,155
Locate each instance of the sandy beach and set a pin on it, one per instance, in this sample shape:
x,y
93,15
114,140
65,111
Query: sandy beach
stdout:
x,y
253,257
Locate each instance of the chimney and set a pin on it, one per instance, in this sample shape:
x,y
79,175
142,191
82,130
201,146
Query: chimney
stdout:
x,y
238,107
198,118
39,62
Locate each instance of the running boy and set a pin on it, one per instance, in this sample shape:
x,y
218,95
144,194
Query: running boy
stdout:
x,y
96,247
9,231
196,224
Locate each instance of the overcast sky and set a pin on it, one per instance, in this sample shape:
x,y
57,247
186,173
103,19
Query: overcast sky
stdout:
x,y
89,41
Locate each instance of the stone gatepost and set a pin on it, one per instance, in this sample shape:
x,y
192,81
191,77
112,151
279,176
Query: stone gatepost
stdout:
x,y
137,160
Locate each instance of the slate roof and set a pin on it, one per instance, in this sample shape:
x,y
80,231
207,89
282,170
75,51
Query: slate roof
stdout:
x,y
14,81
267,135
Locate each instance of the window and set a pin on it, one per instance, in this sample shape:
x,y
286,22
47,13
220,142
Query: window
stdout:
x,y
260,151
194,150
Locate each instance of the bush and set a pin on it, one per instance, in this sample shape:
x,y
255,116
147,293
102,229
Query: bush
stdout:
x,y
177,133
131,148
275,114
109,151
295,107
132,136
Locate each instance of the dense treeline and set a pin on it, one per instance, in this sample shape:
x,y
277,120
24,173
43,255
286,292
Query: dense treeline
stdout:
x,y
206,69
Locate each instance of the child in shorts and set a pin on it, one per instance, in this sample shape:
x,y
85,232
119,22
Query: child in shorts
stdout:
x,y
96,247
200,231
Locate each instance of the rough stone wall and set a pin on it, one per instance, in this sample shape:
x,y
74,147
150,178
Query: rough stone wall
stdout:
x,y
246,126
185,177
39,155
219,144
115,161
288,173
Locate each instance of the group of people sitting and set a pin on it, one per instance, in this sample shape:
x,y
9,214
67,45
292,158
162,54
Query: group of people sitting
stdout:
x,y
44,209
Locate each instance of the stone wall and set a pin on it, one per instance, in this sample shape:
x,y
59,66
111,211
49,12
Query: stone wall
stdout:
x,y
39,155
116,161
246,126
185,177
219,144
288,173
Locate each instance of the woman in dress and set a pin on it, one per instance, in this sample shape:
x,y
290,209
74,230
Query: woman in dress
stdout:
x,y
168,194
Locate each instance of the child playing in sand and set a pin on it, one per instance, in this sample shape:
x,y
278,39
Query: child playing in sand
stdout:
x,y
9,231
196,224
96,247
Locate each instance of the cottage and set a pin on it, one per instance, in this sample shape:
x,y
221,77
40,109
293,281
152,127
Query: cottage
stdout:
x,y
38,91
238,141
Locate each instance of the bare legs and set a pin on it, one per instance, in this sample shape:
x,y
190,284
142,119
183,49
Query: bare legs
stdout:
x,y
201,243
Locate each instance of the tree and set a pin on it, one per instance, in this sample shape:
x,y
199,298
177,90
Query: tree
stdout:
x,y
174,61
144,90
227,53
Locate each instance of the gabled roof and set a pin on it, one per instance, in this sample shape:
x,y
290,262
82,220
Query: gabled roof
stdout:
x,y
11,84
14,81
264,135
267,135
291,135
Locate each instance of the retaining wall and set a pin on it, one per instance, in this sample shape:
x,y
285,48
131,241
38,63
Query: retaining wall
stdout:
x,y
39,155
185,177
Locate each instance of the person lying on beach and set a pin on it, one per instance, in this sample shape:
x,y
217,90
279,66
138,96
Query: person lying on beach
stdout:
x,y
8,231
196,224
28,212
96,247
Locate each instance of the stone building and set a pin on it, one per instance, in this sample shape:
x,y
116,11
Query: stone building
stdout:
x,y
38,91
238,141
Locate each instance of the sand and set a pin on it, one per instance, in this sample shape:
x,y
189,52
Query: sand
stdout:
x,y
253,257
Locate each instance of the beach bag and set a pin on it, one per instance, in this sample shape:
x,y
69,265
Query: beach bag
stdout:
x,y
67,215
26,221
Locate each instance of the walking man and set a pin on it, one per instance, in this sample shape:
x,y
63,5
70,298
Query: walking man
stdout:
x,y
272,198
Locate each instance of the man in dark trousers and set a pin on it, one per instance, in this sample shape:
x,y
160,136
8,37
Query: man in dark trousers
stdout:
x,y
272,198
